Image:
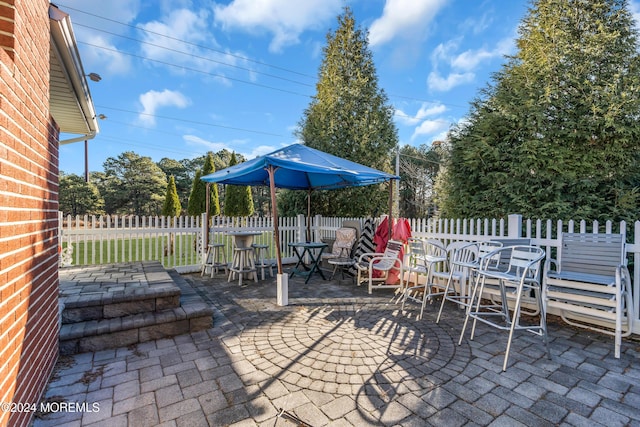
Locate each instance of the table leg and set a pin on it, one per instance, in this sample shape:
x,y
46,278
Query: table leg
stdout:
x,y
314,265
300,261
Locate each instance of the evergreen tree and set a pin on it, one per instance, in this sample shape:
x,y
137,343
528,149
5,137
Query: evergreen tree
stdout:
x,y
556,134
171,205
197,196
78,197
349,117
214,202
419,167
238,200
136,185
197,199
182,175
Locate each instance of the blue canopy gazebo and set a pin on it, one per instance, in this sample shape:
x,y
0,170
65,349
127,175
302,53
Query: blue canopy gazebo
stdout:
x,y
298,167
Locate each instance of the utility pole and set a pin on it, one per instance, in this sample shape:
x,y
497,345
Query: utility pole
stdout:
x,y
86,160
396,198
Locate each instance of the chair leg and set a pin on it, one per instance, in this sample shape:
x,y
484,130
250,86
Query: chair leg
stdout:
x,y
214,261
470,307
257,252
515,320
241,268
406,292
478,305
425,294
444,296
404,296
543,321
233,263
207,262
252,264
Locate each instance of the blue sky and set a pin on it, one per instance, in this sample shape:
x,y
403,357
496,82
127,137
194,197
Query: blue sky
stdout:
x,y
180,78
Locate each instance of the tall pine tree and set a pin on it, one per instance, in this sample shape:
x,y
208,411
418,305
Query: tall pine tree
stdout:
x,y
197,199
171,205
556,134
349,117
237,200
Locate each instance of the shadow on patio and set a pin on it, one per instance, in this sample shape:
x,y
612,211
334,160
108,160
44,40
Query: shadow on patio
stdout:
x,y
338,356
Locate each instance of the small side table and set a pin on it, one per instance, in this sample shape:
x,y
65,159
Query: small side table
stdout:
x,y
314,250
341,264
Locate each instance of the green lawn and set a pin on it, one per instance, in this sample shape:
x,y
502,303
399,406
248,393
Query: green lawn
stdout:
x,y
157,248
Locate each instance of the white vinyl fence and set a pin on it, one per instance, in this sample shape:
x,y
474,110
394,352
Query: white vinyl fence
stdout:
x,y
178,242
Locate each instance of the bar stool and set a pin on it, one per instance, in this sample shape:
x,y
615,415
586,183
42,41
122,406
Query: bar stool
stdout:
x,y
242,264
261,259
215,260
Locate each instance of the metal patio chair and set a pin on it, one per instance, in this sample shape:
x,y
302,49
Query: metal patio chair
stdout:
x,y
423,259
520,277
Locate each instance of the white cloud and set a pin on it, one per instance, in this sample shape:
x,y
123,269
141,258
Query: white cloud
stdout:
x,y
430,110
235,145
106,60
193,140
284,19
634,7
261,150
477,25
462,66
426,110
430,127
153,100
436,82
182,36
470,59
165,36
442,52
407,19
426,120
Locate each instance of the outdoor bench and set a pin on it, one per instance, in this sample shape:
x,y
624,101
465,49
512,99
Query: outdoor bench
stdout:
x,y
589,284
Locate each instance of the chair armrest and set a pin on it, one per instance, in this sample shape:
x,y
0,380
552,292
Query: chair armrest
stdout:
x,y
625,277
550,265
625,288
376,260
368,255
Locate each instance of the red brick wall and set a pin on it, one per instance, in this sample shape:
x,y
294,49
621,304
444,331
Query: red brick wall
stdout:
x,y
28,208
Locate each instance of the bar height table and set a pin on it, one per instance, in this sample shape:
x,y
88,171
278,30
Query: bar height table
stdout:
x,y
243,255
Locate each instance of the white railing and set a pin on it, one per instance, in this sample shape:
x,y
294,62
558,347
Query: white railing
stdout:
x,y
177,242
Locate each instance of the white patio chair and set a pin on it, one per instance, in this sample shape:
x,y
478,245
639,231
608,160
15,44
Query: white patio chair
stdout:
x,y
521,276
369,263
424,257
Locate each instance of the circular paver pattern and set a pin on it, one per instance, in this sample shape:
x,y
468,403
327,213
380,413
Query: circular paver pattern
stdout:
x,y
370,350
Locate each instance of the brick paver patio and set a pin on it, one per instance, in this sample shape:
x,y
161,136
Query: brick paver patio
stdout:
x,y
338,356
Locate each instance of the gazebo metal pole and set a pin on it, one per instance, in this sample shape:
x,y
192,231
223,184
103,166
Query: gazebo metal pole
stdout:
x,y
274,213
208,219
390,207
309,215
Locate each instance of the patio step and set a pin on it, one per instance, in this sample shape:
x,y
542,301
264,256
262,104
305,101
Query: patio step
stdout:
x,y
123,304
110,291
